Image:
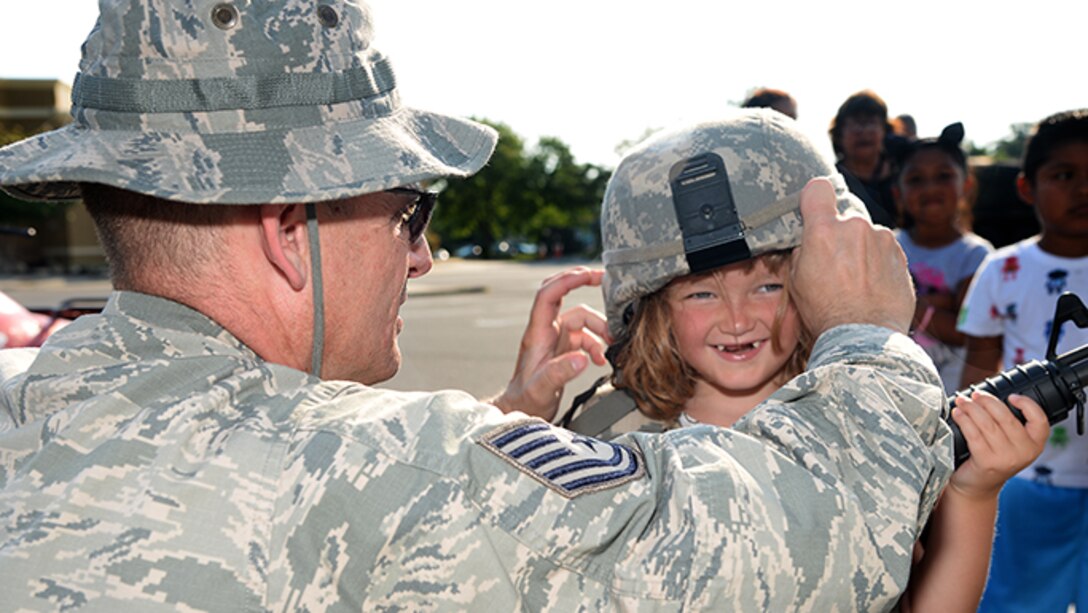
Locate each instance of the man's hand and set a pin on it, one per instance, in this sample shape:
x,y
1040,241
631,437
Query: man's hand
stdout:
x,y
556,346
847,270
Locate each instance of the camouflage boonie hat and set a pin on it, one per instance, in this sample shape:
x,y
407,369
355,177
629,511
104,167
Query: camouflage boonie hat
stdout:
x,y
706,196
239,102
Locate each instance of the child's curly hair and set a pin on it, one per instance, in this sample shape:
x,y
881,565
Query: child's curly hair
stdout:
x,y
646,359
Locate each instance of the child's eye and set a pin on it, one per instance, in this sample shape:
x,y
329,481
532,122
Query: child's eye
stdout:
x,y
699,296
769,288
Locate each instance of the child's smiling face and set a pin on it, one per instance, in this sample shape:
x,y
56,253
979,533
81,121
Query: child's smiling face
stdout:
x,y
724,325
931,187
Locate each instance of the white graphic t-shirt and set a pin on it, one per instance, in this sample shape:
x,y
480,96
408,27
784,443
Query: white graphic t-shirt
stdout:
x,y
1013,296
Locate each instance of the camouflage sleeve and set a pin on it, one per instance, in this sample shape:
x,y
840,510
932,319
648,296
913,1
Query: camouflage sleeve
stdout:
x,y
872,426
814,504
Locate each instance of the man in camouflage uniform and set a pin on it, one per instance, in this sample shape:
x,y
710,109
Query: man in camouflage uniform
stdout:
x,y
211,442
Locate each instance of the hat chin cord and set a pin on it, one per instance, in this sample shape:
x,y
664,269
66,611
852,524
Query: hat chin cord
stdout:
x,y
319,290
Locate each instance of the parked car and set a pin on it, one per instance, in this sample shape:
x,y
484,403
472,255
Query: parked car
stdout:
x,y
21,327
468,251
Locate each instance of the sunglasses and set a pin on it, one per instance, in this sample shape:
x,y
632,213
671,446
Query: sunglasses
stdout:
x,y
417,214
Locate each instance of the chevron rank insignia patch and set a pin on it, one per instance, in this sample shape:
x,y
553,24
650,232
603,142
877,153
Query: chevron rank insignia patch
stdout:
x,y
569,463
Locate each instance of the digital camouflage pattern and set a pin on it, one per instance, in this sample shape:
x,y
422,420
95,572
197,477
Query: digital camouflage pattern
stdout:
x,y
768,161
239,103
152,462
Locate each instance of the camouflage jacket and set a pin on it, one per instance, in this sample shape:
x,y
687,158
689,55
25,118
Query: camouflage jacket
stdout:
x,y
150,461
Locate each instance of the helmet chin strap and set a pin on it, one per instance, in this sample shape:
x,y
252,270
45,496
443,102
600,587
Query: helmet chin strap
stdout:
x,y
319,290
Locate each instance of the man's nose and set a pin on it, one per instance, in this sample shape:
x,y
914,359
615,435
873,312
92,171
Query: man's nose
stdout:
x,y
419,258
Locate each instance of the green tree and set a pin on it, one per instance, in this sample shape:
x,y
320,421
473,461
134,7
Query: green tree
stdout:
x,y
972,149
10,134
565,196
482,207
1011,148
538,195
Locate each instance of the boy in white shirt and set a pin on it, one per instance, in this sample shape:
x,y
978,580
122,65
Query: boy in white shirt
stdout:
x,y
1007,316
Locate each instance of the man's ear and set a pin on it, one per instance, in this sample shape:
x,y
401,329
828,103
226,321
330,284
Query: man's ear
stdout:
x,y
284,240
1024,189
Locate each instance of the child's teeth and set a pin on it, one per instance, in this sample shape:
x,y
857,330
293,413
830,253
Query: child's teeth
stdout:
x,y
735,348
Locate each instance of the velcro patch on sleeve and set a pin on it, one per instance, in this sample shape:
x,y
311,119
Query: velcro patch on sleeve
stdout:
x,y
569,463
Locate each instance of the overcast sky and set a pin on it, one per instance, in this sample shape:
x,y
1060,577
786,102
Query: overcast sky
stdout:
x,y
598,72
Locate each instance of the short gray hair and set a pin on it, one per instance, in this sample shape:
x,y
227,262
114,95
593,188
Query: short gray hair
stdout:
x,y
145,237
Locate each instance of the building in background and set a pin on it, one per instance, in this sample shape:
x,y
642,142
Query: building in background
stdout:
x,y
29,106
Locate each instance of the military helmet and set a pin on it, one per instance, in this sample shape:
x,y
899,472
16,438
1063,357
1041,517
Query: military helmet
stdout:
x,y
704,196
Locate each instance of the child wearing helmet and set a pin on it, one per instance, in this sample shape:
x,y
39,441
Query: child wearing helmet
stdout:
x,y
698,228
